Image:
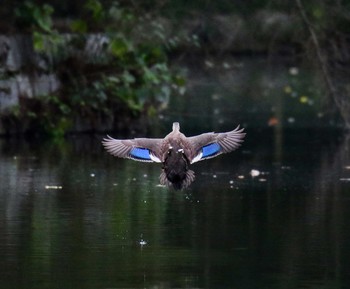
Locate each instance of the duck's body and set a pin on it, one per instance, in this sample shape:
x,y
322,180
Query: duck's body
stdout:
x,y
176,152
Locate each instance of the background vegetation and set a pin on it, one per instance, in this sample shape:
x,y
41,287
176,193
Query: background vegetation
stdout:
x,y
113,59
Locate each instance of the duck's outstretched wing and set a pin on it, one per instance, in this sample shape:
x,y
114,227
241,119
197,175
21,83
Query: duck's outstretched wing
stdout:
x,y
209,145
138,149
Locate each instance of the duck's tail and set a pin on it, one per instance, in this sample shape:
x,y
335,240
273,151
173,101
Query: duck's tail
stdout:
x,y
178,185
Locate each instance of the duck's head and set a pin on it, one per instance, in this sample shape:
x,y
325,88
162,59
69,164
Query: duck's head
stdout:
x,y
175,155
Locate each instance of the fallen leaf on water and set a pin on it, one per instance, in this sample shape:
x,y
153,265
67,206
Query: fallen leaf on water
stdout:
x,y
287,89
303,99
273,121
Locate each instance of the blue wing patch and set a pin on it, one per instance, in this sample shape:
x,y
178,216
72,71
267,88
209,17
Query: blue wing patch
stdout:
x,y
141,154
210,150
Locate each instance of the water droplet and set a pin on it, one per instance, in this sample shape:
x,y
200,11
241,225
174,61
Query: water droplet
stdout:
x,y
285,167
291,119
226,65
293,71
48,187
209,64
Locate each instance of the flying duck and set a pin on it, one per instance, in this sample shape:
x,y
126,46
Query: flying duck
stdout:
x,y
176,152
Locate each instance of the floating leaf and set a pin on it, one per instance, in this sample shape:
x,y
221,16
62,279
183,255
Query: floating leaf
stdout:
x,y
254,173
273,121
303,99
287,89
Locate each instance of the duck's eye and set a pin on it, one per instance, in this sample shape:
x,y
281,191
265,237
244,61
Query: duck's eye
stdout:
x,y
180,150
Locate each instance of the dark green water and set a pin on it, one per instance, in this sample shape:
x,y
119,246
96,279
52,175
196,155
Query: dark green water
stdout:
x,y
72,216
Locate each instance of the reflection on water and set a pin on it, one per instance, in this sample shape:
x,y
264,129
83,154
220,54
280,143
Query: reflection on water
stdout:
x,y
73,217
273,214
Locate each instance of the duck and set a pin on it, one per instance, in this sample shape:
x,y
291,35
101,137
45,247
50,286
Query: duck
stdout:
x,y
176,152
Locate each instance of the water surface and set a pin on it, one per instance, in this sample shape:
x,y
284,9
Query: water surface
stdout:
x,y
72,216
273,214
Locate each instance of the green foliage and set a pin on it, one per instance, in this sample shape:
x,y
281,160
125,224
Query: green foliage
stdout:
x,y
95,7
126,68
39,20
35,16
